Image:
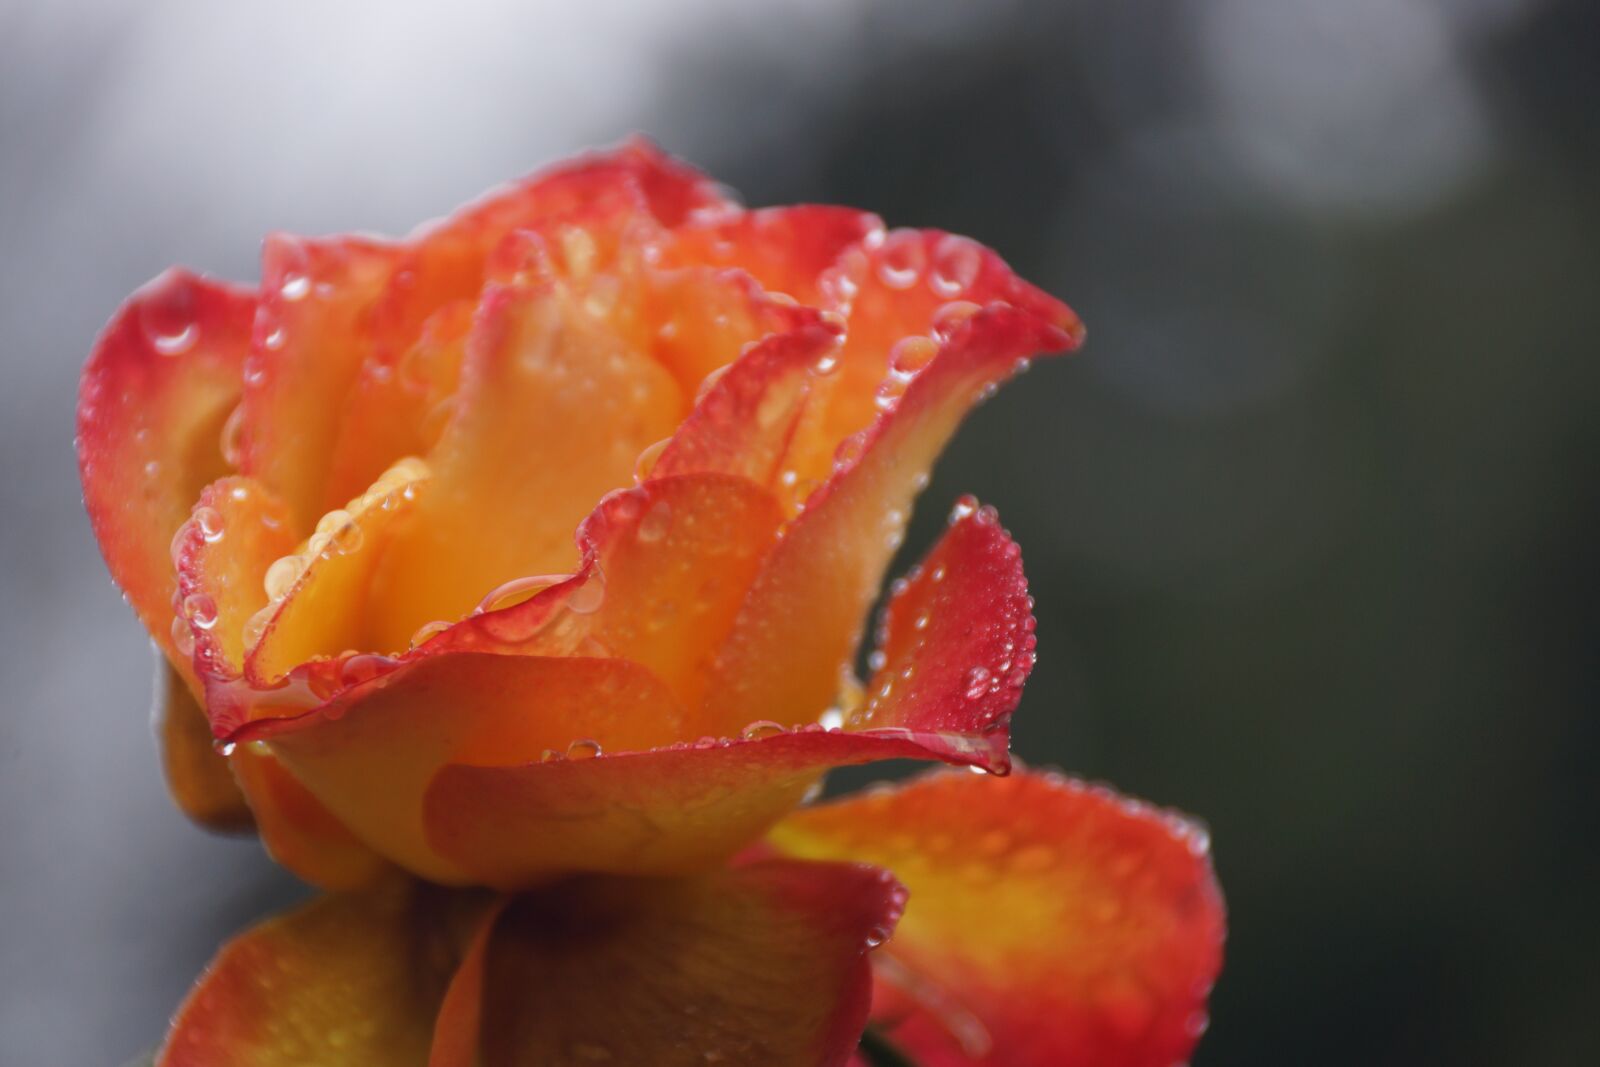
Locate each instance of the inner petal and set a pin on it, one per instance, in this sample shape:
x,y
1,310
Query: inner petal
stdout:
x,y
552,412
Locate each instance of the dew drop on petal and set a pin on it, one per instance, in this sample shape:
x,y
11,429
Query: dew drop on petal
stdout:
x,y
583,748
762,728
182,636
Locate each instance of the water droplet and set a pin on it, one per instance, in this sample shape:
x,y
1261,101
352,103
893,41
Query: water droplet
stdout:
x,y
516,591
200,610
709,382
274,339
588,596
428,631
167,319
762,728
232,441
876,661
877,936
282,574
902,259
956,262
647,460
583,748
965,506
911,354
209,524
656,522
295,286
363,668
182,636
949,318
832,719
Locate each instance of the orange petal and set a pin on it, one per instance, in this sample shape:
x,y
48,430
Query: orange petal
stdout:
x,y
163,377
1051,924
312,336
553,411
370,754
197,774
788,250
586,210
345,981
236,530
763,964
298,831
802,620
904,294
320,594
744,422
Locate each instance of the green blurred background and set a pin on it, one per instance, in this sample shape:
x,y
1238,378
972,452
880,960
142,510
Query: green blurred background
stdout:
x,y
1308,520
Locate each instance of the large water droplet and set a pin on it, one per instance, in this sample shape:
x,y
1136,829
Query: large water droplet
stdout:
x,y
902,259
583,748
762,728
209,524
956,262
656,522
200,610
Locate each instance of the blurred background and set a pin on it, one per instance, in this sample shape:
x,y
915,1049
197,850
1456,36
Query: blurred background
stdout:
x,y
1309,521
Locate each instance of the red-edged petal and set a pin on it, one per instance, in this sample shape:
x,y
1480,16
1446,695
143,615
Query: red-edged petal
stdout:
x,y
744,422
162,379
237,529
352,980
788,250
197,774
802,620
957,644
689,807
1051,924
586,212
552,413
320,595
903,294
764,964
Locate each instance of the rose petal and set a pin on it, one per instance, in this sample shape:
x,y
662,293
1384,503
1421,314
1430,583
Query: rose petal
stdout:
x,y
370,754
744,422
313,333
957,645
586,211
905,293
1051,923
802,619
688,808
457,1030
322,610
237,529
553,411
764,964
298,831
351,980
162,379
787,249
197,774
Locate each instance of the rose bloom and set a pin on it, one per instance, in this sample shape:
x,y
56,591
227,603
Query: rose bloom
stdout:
x,y
555,785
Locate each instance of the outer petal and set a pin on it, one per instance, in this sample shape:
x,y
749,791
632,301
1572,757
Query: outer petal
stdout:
x,y
689,807
197,774
765,964
163,377
900,292
370,754
787,249
802,619
1052,924
346,980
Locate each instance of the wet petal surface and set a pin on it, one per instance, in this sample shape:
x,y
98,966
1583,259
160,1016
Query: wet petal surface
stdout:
x,y
1051,924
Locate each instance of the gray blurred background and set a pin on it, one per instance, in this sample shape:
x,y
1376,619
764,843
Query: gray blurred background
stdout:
x,y
1309,521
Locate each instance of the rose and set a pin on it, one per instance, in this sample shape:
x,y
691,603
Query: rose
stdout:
x,y
343,505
